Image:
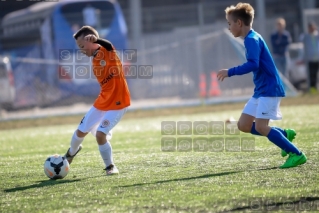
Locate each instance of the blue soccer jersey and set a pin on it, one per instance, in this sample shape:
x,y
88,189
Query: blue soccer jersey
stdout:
x,y
259,61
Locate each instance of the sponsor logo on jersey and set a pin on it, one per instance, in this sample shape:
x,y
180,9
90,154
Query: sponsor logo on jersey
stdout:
x,y
102,63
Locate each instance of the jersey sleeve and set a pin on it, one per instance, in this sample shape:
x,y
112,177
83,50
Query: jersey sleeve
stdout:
x,y
105,43
252,56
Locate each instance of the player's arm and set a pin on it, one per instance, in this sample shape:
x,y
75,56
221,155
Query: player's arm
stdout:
x,y
253,54
105,43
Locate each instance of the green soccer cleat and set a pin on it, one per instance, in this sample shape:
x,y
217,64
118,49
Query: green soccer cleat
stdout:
x,y
294,160
291,133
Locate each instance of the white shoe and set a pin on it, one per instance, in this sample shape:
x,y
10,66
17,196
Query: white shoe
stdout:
x,y
111,170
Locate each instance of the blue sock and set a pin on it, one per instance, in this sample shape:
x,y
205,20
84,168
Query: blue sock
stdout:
x,y
282,142
254,132
281,130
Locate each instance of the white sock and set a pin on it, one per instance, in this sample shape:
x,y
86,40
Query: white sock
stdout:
x,y
75,143
106,153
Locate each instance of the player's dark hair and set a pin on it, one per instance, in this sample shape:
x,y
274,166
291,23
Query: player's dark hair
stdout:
x,y
242,11
84,31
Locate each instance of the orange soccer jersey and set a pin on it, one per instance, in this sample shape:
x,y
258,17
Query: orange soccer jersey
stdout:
x,y
107,68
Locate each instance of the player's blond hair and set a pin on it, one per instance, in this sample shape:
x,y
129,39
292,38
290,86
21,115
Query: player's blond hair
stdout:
x,y
242,11
281,21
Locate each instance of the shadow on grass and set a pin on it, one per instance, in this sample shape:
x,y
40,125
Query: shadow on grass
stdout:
x,y
40,184
48,182
196,177
271,168
264,204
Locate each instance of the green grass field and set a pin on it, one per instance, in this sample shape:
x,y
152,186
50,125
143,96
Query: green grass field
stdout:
x,y
151,180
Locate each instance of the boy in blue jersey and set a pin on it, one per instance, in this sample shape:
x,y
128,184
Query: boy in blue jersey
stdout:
x,y
264,105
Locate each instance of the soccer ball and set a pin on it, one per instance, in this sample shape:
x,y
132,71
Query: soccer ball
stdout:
x,y
56,167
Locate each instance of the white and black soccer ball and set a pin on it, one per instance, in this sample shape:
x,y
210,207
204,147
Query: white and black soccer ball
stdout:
x,y
56,167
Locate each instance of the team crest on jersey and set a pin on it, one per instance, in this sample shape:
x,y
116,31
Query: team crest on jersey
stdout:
x,y
105,123
102,63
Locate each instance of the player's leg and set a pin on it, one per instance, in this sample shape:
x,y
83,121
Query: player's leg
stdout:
x,y
94,130
268,108
283,131
75,145
274,135
313,69
262,109
296,157
110,119
290,134
247,124
87,123
248,116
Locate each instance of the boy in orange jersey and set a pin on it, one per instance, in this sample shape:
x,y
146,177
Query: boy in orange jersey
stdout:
x,y
112,102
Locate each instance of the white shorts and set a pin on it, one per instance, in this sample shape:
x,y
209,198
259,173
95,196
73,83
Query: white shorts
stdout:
x,y
264,107
103,121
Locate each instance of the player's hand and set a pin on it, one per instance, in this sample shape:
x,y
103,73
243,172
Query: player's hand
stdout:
x,y
222,74
90,38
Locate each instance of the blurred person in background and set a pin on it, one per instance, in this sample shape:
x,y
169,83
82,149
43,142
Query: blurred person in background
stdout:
x,y
90,16
75,28
311,55
280,41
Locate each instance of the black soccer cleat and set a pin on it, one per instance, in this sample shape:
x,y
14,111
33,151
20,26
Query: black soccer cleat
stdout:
x,y
111,170
68,157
